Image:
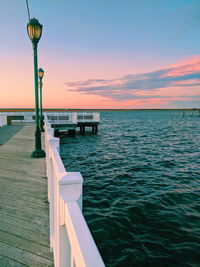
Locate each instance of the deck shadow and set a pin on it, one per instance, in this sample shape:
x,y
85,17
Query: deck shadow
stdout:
x,y
8,131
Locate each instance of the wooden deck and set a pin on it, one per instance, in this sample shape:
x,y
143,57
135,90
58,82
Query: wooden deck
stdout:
x,y
24,213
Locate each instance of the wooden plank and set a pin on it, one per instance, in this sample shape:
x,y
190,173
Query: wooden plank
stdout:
x,y
7,209
22,202
26,168
29,180
26,245
25,196
18,183
24,233
24,257
24,211
24,174
34,194
6,262
22,205
27,225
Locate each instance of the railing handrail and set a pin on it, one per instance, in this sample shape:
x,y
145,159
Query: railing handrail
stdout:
x,y
87,253
70,237
73,117
70,117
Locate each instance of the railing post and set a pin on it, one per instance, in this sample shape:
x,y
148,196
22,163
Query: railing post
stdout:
x,y
55,206
68,189
53,143
74,118
71,187
51,203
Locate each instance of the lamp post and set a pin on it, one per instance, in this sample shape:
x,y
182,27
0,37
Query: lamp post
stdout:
x,y
34,29
40,75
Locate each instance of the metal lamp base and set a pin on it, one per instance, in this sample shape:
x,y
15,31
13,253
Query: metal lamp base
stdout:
x,y
38,154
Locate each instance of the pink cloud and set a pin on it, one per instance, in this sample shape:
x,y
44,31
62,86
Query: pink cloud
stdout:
x,y
184,67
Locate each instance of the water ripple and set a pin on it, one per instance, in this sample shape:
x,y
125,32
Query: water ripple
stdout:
x,y
141,187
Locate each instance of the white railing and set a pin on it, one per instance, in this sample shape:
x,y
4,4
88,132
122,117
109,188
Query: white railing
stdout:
x,y
28,115
70,237
61,118
72,118
88,117
97,117
3,119
58,117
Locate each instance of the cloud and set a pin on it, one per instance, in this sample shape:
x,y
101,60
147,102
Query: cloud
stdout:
x,y
144,85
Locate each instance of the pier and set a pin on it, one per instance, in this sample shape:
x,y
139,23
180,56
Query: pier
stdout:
x,y
24,213
68,122
191,112
41,219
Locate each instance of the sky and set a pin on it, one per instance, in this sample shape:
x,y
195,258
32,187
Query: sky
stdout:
x,y
103,53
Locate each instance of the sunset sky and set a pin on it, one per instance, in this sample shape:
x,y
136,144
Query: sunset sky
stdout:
x,y
103,53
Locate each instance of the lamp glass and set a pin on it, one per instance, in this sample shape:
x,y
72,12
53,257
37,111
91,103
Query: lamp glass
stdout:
x,y
40,73
34,30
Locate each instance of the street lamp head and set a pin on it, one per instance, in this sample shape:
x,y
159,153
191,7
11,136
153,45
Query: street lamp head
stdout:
x,y
40,73
34,29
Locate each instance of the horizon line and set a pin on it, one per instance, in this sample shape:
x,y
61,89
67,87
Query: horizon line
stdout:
x,y
97,109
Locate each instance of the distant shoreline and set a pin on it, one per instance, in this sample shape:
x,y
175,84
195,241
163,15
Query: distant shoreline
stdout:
x,y
77,110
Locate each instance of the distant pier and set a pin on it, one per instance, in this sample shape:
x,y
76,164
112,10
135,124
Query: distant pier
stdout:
x,y
191,112
69,122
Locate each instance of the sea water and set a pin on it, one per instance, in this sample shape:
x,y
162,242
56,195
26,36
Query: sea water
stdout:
x,y
141,194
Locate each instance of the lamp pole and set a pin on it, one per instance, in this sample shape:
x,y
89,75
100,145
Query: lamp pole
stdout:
x,y
40,75
34,29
